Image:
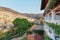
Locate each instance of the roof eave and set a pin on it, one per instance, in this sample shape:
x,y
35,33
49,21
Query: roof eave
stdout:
x,y
49,5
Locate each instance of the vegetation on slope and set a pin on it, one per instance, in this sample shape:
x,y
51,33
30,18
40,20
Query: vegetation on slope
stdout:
x,y
20,27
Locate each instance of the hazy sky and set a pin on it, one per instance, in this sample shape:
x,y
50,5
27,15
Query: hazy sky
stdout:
x,y
31,6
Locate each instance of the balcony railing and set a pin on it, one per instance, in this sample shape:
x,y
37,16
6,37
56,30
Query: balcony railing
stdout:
x,y
53,21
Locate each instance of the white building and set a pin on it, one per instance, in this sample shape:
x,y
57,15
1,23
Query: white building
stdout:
x,y
52,17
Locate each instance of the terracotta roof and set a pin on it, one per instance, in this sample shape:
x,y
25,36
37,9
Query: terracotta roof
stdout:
x,y
32,28
36,27
36,37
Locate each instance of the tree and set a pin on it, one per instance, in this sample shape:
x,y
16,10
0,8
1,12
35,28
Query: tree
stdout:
x,y
8,35
22,25
1,35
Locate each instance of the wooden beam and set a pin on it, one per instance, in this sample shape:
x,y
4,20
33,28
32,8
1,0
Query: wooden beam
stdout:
x,y
57,10
58,7
58,13
50,5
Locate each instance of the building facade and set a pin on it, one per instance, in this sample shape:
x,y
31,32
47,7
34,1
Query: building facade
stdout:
x,y
51,15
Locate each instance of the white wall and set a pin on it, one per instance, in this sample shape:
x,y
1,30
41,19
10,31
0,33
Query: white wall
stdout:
x,y
57,17
52,18
49,31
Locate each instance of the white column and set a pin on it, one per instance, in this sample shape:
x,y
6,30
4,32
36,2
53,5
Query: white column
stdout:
x,y
53,15
45,18
48,17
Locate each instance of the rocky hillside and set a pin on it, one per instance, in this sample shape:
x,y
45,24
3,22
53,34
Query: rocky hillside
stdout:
x,y
36,16
8,15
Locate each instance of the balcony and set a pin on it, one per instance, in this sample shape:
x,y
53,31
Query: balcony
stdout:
x,y
53,21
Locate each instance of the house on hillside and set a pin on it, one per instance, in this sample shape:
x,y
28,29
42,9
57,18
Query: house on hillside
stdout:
x,y
51,15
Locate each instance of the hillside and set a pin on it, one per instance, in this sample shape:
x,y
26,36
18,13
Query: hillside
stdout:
x,y
7,15
36,16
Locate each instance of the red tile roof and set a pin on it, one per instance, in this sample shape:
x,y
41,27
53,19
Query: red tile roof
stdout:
x,y
36,37
32,28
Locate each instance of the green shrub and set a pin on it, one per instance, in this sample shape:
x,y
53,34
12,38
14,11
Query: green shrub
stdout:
x,y
22,25
1,35
40,32
29,32
8,35
55,27
46,37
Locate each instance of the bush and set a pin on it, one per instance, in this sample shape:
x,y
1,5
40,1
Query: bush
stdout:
x,y
8,35
40,32
22,25
1,35
46,37
29,32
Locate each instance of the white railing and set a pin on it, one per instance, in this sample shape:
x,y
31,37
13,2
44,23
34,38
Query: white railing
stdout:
x,y
53,21
46,29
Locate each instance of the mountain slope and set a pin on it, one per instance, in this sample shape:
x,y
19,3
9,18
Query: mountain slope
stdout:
x,y
7,15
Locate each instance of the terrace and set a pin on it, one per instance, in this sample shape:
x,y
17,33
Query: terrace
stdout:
x,y
53,16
